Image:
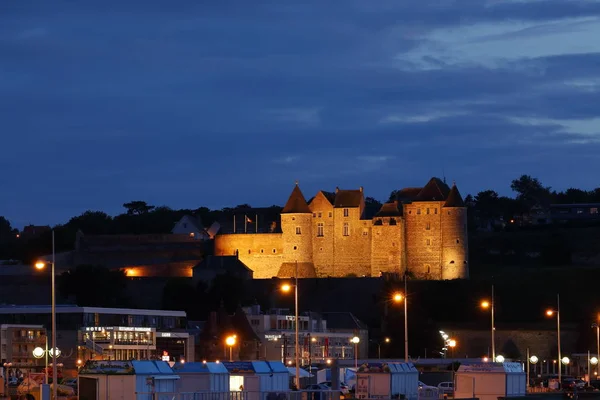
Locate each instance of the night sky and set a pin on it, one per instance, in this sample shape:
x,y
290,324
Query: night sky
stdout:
x,y
218,103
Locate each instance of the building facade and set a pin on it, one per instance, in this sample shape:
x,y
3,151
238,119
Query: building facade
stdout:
x,y
423,232
108,333
17,342
318,342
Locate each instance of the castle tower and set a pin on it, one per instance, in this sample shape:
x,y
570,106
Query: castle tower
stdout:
x,y
455,247
296,227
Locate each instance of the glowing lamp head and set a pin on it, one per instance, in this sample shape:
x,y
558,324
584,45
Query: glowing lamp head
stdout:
x,y
485,359
485,304
290,362
452,343
549,313
230,340
286,287
79,362
328,361
533,359
40,265
38,352
398,297
500,358
182,361
565,360
594,360
355,340
387,340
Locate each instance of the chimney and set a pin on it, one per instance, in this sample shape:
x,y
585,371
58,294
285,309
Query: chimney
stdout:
x,y
361,189
337,189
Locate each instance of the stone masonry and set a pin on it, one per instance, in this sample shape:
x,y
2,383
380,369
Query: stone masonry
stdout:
x,y
423,232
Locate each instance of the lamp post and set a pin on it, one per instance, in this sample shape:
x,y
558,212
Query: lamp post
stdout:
x,y
490,304
597,326
551,313
398,297
286,288
385,340
41,265
230,341
355,340
530,360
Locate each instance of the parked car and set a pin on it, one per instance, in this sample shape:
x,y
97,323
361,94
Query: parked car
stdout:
x,y
343,387
425,386
13,381
446,387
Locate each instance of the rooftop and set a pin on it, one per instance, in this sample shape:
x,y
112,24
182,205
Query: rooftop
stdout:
x,y
74,309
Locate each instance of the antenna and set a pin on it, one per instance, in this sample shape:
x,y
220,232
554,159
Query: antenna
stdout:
x,y
444,174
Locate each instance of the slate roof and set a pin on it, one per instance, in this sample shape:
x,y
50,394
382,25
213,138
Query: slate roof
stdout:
x,y
228,263
348,198
296,204
435,190
389,210
407,194
330,196
454,198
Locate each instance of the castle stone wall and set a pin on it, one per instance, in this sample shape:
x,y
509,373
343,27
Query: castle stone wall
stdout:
x,y
455,246
424,239
323,252
297,237
386,247
352,252
261,252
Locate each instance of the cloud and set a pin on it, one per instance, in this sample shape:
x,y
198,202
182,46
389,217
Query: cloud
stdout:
x,y
194,103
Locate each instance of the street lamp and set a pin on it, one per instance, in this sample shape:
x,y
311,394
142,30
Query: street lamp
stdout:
x,y
39,352
355,340
551,313
40,265
597,326
530,360
500,358
287,288
490,304
397,298
230,341
385,340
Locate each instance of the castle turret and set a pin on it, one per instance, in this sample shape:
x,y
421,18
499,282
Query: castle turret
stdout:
x,y
455,247
296,227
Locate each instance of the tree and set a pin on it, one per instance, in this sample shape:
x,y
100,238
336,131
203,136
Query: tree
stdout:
x,y
7,233
530,192
94,286
573,196
137,207
372,202
91,222
393,196
178,295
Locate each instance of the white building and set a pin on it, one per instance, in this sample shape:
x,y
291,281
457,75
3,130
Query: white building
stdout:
x,y
322,336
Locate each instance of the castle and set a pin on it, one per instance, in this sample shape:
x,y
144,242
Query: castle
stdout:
x,y
423,232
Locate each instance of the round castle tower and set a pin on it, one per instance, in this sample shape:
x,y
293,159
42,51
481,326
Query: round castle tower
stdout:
x,y
455,247
296,228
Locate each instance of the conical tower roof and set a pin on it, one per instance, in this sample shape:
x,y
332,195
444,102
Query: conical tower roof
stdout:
x,y
296,204
454,198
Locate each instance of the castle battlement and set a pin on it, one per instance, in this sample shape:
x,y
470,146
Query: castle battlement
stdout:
x,y
423,232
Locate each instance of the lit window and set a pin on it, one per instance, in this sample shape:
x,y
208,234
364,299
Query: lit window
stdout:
x,y
314,215
435,210
346,231
346,212
298,230
427,211
418,211
427,226
330,214
319,215
320,229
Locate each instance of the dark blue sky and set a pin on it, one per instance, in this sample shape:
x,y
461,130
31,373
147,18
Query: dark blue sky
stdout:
x,y
217,103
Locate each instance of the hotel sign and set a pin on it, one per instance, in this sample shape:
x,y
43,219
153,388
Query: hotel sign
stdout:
x,y
117,328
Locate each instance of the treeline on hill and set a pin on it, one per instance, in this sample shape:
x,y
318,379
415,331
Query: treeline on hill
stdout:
x,y
142,218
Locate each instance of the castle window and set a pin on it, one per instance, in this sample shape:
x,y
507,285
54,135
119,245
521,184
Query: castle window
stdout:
x,y
418,211
293,218
427,226
249,251
435,210
428,268
457,241
295,247
262,250
319,215
452,262
449,212
392,221
330,214
410,211
274,250
365,232
428,242
298,231
314,215
346,231
427,211
346,212
320,229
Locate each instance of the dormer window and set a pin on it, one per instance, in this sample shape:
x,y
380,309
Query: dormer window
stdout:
x,y
346,212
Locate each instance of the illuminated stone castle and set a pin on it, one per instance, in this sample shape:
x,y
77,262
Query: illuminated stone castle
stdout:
x,y
423,232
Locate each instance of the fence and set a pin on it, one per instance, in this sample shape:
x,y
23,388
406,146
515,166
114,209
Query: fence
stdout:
x,y
244,395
